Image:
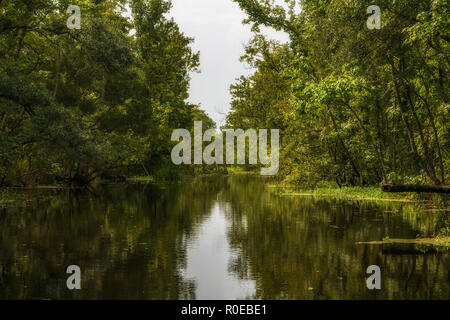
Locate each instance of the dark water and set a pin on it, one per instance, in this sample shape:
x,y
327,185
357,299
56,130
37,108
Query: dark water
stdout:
x,y
214,238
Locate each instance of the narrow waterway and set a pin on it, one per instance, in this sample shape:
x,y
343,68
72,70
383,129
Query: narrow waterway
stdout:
x,y
213,238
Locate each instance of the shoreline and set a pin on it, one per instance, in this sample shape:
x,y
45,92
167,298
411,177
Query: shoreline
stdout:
x,y
369,193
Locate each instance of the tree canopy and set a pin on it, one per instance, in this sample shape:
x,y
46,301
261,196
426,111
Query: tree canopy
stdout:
x,y
356,106
100,100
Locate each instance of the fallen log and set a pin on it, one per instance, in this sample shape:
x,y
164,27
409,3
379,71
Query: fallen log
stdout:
x,y
415,188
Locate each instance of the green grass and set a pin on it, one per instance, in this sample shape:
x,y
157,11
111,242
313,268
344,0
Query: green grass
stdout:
x,y
141,179
240,170
348,193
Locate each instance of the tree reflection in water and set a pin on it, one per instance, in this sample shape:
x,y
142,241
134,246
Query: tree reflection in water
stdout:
x,y
217,237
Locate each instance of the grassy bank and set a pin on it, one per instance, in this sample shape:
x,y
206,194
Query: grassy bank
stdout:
x,y
436,241
144,179
347,193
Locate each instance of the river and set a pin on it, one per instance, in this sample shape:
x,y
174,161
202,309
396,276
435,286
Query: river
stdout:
x,y
212,238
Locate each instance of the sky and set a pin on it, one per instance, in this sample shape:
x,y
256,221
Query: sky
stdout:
x,y
220,36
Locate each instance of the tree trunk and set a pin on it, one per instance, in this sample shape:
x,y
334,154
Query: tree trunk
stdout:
x,y
409,130
355,168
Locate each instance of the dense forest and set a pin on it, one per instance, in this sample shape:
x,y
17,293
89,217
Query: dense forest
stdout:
x,y
94,206
356,106
99,101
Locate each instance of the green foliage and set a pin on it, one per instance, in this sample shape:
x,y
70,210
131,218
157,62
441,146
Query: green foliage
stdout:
x,y
355,106
76,104
168,173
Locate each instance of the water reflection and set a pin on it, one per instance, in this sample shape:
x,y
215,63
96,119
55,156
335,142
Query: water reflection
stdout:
x,y
208,259
213,238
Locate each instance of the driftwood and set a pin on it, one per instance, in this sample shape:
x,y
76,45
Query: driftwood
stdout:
x,y
414,188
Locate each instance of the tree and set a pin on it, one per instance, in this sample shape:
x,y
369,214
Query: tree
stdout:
x,y
76,104
365,106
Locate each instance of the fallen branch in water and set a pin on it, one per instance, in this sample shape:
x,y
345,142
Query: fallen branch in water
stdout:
x,y
415,188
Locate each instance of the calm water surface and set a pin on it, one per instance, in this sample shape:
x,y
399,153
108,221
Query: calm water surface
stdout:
x,y
213,238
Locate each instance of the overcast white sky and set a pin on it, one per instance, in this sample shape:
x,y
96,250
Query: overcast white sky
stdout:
x,y
220,36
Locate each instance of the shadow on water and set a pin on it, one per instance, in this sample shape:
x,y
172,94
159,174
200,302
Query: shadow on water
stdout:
x,y
212,238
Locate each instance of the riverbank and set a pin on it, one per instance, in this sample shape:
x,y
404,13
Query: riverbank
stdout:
x,y
347,193
443,241
370,193
24,195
